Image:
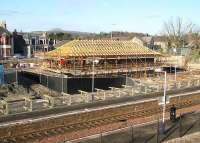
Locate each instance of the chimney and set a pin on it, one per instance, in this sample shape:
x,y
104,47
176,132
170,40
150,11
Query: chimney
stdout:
x,y
3,24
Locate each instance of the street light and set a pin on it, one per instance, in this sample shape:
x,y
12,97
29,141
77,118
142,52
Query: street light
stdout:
x,y
164,98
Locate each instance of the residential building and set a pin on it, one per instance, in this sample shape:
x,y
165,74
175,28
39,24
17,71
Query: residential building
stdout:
x,y
6,42
160,43
38,42
147,41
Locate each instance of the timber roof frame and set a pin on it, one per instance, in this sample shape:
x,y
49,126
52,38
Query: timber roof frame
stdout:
x,y
101,48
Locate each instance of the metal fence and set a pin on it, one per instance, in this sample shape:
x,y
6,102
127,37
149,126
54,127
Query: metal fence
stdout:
x,y
175,132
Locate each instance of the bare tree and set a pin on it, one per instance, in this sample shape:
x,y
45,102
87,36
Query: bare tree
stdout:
x,y
176,31
194,39
194,44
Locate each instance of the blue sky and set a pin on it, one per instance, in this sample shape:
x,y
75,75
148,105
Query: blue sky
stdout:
x,y
96,15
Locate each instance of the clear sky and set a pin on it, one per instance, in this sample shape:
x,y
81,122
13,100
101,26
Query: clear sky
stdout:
x,y
96,15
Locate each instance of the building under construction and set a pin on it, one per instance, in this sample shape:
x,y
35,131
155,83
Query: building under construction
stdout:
x,y
84,57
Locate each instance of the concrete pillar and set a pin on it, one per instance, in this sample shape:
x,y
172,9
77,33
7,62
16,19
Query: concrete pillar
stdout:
x,y
52,102
198,82
158,88
6,110
179,85
97,93
104,95
119,93
46,104
31,106
175,85
132,91
28,51
145,90
4,40
189,83
87,97
70,100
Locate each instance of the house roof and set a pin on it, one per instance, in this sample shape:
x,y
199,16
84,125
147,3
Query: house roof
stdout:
x,y
160,39
147,39
101,48
4,31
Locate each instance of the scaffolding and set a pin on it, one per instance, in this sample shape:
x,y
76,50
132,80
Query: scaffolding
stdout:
x,y
16,99
77,56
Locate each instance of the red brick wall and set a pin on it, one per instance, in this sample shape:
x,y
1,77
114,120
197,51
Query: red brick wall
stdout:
x,y
5,51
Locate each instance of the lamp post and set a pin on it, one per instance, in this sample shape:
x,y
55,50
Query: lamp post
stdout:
x,y
164,96
62,81
93,69
164,99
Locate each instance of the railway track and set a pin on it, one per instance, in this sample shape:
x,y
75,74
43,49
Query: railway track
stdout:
x,y
92,118
58,110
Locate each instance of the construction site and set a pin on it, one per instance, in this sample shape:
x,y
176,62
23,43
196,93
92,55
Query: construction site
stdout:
x,y
86,87
83,57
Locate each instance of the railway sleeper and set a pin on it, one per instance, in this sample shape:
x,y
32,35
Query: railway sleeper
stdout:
x,y
184,103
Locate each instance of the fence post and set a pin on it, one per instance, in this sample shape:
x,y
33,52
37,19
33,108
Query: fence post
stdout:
x,y
158,127
132,135
100,137
180,126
